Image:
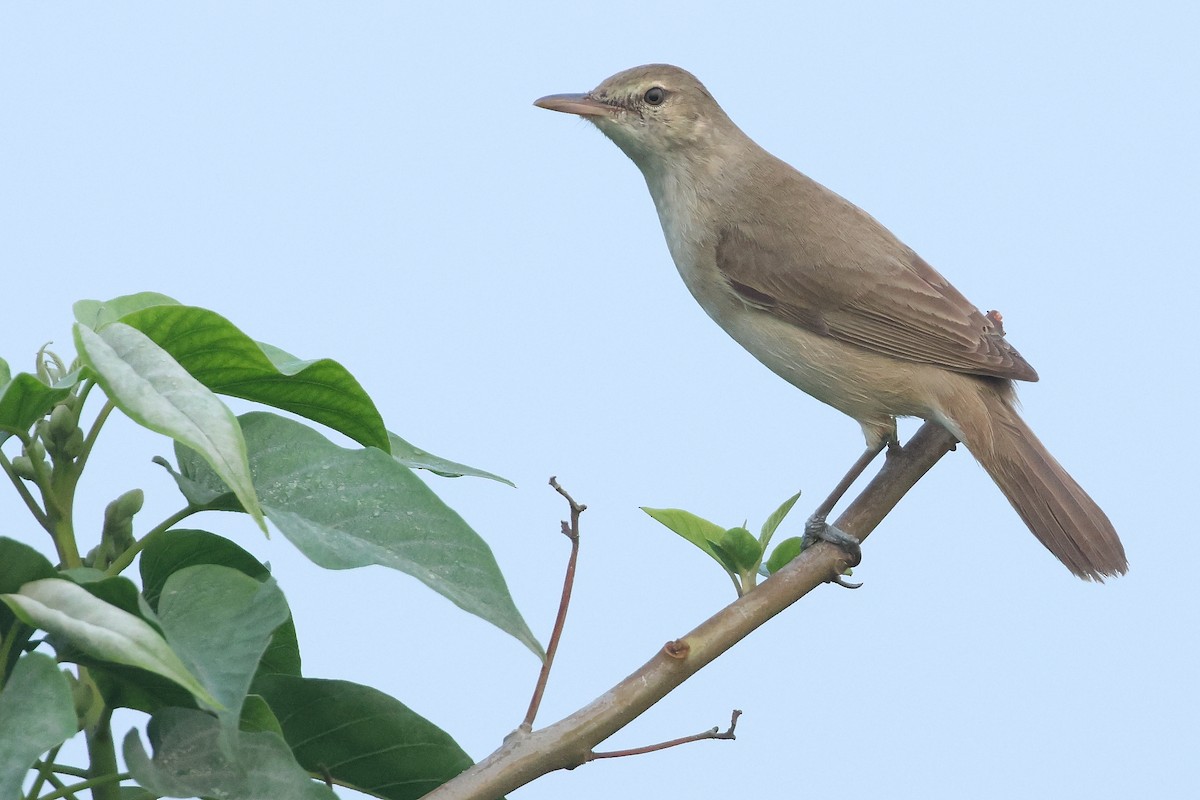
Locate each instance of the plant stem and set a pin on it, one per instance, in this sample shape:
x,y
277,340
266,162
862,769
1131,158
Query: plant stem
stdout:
x,y
91,783
62,769
102,754
90,440
126,558
42,772
23,490
64,542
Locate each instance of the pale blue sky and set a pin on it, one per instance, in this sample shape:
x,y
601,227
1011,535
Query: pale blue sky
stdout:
x,y
370,182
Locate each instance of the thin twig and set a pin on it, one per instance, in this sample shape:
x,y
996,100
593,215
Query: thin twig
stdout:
x,y
711,733
91,783
89,441
571,531
42,771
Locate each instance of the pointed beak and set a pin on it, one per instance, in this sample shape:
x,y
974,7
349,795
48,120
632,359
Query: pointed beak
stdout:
x,y
581,104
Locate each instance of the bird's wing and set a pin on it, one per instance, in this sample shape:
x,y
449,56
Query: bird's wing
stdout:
x,y
898,306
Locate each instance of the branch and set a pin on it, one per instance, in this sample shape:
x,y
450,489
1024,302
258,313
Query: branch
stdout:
x,y
525,756
571,531
711,733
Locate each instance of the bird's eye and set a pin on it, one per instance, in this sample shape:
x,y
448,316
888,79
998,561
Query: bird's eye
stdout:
x,y
655,96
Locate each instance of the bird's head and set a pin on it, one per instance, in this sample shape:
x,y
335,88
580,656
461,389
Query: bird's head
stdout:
x,y
650,112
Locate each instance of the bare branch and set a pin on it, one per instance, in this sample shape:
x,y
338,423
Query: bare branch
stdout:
x,y
571,531
568,743
711,733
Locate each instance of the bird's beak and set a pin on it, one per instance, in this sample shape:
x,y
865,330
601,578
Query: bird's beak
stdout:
x,y
581,104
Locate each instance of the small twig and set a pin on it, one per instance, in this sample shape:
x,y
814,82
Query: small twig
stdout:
x,y
43,768
576,509
571,531
711,733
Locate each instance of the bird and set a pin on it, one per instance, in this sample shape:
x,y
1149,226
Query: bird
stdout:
x,y
834,303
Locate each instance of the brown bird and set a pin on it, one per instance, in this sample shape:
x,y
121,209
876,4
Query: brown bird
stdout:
x,y
835,304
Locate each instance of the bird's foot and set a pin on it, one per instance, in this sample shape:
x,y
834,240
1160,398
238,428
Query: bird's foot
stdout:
x,y
818,530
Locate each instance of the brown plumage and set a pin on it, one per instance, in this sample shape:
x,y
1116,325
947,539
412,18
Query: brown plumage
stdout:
x,y
833,302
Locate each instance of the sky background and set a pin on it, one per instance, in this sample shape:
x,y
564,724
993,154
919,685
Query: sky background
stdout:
x,y
370,182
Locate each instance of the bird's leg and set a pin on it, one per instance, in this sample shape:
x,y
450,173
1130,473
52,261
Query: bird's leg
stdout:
x,y
817,529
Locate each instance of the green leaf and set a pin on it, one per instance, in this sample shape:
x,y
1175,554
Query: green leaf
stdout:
x,y
416,458
258,716
36,713
19,564
696,530
165,555
283,653
351,508
772,524
223,358
366,739
728,562
129,687
25,399
188,762
115,590
154,391
101,630
219,622
136,793
96,314
742,548
5,373
784,552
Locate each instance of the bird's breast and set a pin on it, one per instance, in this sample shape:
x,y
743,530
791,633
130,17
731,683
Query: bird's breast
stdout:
x,y
856,381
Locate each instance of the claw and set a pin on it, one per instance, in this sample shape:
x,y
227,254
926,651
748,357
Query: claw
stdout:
x,y
845,584
818,530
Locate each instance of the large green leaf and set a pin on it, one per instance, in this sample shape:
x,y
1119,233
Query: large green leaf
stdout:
x,y
351,508
258,716
363,737
96,314
226,360
151,388
24,400
129,687
416,458
189,762
36,713
223,358
167,554
19,564
101,630
219,622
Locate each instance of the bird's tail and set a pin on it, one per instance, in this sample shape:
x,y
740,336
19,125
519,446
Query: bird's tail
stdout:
x,y
1058,511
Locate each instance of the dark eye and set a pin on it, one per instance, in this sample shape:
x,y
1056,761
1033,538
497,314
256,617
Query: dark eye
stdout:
x,y
655,96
